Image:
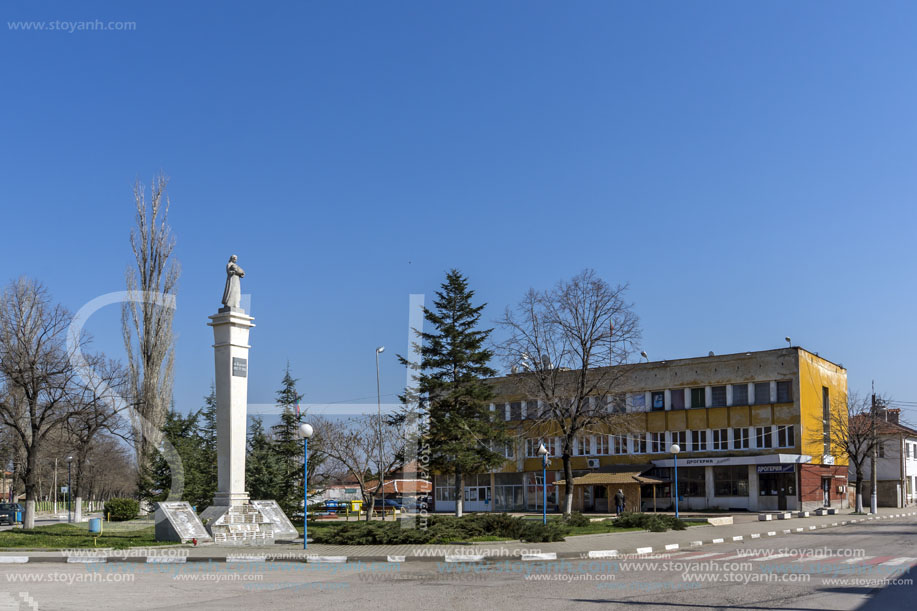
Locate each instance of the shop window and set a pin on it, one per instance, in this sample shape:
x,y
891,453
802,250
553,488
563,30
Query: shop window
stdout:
x,y
730,481
692,482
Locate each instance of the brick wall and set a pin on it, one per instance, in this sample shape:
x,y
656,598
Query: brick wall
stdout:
x,y
810,477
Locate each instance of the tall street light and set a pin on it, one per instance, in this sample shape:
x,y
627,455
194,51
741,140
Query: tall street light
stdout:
x,y
543,452
379,351
69,491
675,449
305,431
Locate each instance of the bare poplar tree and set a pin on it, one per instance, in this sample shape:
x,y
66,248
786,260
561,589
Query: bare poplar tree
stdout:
x,y
570,346
146,320
37,378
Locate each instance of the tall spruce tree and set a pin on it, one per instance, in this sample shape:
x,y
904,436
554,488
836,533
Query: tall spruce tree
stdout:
x,y
208,459
262,477
287,447
452,394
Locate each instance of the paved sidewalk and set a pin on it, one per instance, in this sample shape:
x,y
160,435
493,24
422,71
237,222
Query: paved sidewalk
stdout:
x,y
574,547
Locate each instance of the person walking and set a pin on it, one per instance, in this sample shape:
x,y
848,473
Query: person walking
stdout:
x,y
619,502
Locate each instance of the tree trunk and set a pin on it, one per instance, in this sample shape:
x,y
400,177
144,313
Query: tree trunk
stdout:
x,y
28,520
459,494
568,488
859,491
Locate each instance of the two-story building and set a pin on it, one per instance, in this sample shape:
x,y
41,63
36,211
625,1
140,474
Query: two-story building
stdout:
x,y
896,465
753,427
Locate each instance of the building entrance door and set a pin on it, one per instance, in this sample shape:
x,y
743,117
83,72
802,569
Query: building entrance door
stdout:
x,y
826,490
781,493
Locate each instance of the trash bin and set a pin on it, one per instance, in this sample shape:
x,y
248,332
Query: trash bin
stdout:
x,y
19,516
95,525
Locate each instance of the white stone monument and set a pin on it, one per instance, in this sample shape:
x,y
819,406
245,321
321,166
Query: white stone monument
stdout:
x,y
233,518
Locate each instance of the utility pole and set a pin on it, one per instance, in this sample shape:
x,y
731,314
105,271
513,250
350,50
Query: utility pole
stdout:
x,y
55,487
874,499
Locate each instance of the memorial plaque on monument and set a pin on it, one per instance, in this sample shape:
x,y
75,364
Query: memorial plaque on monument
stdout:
x,y
176,521
239,367
283,528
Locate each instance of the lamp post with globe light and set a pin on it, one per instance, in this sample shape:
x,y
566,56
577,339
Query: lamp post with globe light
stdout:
x,y
675,449
543,452
305,431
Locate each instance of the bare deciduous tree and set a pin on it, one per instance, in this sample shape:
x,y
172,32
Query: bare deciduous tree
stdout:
x,y
562,342
146,319
352,445
38,383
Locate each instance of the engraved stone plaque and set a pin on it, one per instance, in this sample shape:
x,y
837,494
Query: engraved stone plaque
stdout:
x,y
239,367
283,528
176,521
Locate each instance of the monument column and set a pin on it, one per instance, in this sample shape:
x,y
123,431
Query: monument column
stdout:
x,y
230,355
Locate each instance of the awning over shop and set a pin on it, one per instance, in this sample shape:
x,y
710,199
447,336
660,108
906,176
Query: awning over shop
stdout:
x,y
613,479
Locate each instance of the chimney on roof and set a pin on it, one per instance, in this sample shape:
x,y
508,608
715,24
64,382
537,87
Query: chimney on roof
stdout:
x,y
891,415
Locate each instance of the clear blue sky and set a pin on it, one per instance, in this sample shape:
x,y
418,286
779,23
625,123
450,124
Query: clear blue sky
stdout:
x,y
747,167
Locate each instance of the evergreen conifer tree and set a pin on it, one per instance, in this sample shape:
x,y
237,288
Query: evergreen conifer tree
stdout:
x,y
288,448
452,394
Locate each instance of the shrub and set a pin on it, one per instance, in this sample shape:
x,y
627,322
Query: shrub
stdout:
x,y
121,509
578,520
536,532
650,521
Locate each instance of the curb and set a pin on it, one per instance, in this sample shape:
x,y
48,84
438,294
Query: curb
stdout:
x,y
241,558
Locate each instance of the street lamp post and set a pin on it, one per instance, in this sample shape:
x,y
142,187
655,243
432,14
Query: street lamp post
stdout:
x,y
379,351
305,431
543,452
69,491
675,450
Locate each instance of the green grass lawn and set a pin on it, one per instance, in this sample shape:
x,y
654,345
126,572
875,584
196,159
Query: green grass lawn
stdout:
x,y
116,535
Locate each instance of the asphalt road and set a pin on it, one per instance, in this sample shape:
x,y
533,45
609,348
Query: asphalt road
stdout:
x,y
846,568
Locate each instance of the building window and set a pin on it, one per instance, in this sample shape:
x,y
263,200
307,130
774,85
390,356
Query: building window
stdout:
x,y
445,494
678,398
657,443
721,439
786,436
698,397
698,441
762,393
658,398
692,482
785,391
740,439
601,445
881,447
681,438
619,444
639,444
581,446
500,411
531,447
638,400
730,481
740,394
515,410
618,404
718,398
763,437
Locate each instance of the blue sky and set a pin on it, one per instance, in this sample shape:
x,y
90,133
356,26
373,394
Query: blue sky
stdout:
x,y
747,167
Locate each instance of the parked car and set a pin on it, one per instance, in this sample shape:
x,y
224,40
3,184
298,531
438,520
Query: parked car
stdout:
x,y
8,512
389,504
